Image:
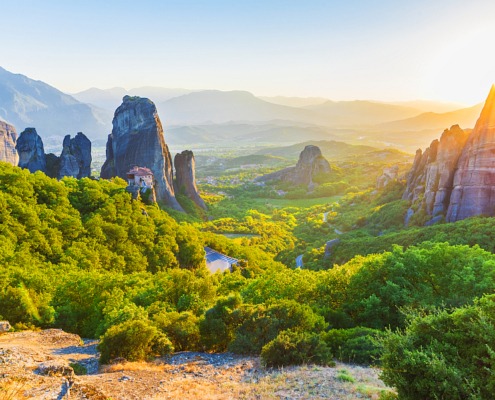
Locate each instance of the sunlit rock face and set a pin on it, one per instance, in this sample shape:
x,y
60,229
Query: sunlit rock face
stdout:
x,y
311,163
75,159
31,151
430,181
137,140
474,181
455,176
8,139
185,177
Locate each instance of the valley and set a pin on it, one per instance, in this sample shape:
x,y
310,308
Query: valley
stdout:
x,y
341,256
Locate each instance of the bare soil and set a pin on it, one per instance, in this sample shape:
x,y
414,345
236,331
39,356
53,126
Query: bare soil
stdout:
x,y
37,365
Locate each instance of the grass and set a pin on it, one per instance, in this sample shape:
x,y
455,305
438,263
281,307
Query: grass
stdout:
x,y
79,369
301,203
344,376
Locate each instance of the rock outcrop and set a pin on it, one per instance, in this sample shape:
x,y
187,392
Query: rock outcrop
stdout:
x,y
8,139
137,139
185,177
311,163
430,181
455,177
474,181
31,152
389,174
75,159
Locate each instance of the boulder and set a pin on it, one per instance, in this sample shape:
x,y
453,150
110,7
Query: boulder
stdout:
x,y
4,326
8,139
137,140
185,178
31,152
389,174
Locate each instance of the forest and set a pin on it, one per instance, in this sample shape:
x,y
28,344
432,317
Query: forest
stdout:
x,y
81,255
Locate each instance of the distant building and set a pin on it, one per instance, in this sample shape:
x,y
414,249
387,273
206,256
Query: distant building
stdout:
x,y
216,261
141,177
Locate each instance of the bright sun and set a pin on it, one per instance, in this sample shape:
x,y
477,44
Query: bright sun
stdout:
x,y
465,68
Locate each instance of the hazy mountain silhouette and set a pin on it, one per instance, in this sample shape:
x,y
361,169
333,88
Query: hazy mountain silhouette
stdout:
x,y
361,112
25,102
465,117
110,99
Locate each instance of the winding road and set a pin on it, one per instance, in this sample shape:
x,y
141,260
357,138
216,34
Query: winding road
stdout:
x,y
299,261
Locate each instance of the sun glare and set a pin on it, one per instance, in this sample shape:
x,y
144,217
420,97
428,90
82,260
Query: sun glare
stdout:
x,y
464,70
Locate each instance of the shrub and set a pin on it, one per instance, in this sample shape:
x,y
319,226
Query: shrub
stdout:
x,y
296,348
262,324
133,340
444,355
355,345
181,328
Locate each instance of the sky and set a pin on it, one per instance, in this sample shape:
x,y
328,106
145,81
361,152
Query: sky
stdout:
x,y
342,50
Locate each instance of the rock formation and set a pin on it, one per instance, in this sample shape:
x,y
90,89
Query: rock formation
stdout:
x,y
8,138
455,177
311,163
185,179
137,139
389,174
474,181
31,151
430,181
75,159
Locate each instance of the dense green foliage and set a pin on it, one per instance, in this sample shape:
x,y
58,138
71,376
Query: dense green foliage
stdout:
x,y
444,355
82,256
295,348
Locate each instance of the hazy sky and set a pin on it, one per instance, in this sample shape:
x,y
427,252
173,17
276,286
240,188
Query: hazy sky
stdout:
x,y
369,49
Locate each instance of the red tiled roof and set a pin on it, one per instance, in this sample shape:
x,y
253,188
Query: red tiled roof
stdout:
x,y
140,171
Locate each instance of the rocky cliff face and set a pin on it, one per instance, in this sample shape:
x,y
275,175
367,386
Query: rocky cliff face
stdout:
x,y
474,181
455,177
137,139
75,159
311,163
31,151
185,178
430,181
8,139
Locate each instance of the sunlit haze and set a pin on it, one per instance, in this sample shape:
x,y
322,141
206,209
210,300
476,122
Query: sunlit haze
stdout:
x,y
383,50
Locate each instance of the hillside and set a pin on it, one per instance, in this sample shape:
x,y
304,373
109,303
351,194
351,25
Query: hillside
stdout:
x,y
358,112
28,103
465,117
340,151
110,99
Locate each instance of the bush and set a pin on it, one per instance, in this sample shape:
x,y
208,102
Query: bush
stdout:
x,y
296,348
133,340
262,324
181,328
355,345
444,355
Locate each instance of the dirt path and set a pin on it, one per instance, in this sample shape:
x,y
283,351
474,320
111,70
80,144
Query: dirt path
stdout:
x,y
26,356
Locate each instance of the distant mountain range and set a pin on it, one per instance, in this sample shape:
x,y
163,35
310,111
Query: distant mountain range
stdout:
x,y
231,118
26,103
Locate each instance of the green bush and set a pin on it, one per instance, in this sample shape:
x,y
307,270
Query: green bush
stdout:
x,y
133,340
355,345
218,324
263,323
181,328
296,348
444,355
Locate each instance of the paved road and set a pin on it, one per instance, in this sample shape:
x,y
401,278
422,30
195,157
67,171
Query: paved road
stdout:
x,y
299,261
